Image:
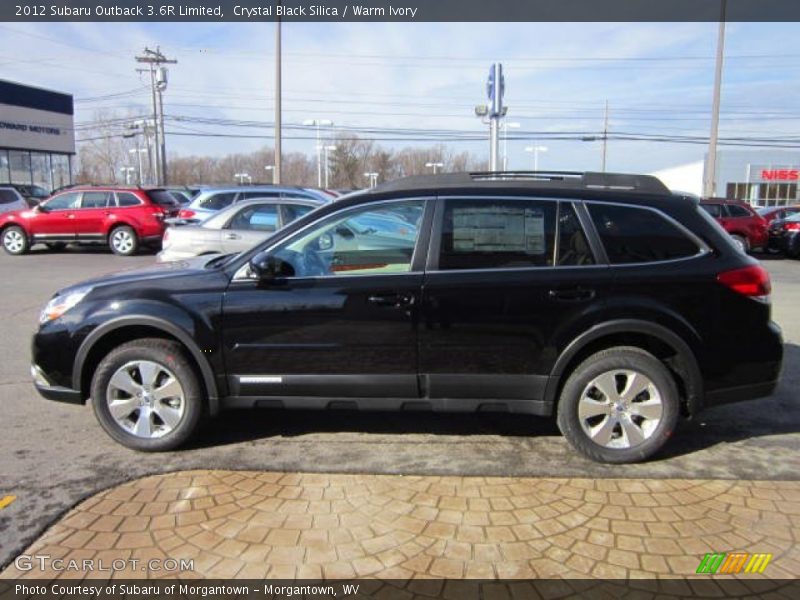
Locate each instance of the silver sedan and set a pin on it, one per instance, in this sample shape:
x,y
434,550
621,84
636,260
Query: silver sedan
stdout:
x,y
234,229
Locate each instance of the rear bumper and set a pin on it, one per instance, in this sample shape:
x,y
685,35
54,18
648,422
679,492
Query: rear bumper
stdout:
x,y
49,391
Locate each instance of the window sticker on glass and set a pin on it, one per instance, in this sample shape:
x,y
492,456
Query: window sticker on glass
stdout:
x,y
499,229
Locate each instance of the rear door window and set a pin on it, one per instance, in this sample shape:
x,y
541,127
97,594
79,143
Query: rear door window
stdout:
x,y
127,199
8,197
217,201
97,199
260,217
735,210
497,234
573,248
715,210
638,235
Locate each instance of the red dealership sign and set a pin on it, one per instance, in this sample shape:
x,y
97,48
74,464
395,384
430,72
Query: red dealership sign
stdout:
x,y
780,174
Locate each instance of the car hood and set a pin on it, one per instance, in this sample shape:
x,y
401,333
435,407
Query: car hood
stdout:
x,y
178,268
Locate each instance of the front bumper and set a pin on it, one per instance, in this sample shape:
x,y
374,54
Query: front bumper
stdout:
x,y
50,391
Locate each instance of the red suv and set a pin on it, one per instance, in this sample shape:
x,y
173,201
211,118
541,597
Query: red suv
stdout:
x,y
124,218
746,226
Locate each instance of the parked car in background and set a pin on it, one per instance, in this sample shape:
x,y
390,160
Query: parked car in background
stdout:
x,y
747,228
11,200
233,229
122,217
784,235
601,299
211,200
772,213
33,194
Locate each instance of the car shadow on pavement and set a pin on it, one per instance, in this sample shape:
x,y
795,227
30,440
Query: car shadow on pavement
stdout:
x,y
775,415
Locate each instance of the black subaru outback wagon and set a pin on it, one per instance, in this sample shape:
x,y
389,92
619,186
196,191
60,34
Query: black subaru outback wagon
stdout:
x,y
602,299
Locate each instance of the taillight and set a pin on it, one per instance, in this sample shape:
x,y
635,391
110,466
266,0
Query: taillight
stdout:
x,y
186,213
752,281
793,226
159,214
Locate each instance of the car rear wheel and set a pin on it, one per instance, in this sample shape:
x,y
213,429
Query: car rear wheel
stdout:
x,y
741,242
15,240
147,396
619,406
123,241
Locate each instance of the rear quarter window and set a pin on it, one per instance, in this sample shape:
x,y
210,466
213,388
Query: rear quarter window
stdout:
x,y
638,235
8,197
163,198
127,199
715,210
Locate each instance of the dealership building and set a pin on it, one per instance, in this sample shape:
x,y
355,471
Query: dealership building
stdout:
x,y
37,140
760,177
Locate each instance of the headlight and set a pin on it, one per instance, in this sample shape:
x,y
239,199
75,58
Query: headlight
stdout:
x,y
62,303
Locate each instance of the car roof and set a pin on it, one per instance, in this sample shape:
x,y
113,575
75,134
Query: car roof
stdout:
x,y
722,201
529,180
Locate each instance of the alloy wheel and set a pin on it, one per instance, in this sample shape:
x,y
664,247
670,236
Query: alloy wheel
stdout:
x,y
122,240
620,409
145,399
14,241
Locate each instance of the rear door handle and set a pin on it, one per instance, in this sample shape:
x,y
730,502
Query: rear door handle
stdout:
x,y
571,295
393,300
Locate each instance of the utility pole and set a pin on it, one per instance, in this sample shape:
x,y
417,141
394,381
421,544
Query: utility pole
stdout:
x,y
709,185
276,172
317,123
605,139
158,83
328,148
495,90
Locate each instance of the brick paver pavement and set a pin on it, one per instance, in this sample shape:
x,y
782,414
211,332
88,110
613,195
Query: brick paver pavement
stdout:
x,y
295,525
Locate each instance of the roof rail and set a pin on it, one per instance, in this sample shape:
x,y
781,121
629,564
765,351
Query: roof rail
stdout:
x,y
562,179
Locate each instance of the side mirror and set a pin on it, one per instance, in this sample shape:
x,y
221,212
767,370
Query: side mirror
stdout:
x,y
267,267
40,208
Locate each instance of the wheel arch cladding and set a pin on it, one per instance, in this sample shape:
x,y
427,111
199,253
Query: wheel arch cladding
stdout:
x,y
114,333
656,339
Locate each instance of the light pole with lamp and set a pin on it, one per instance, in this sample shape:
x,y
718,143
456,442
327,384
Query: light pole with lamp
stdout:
x,y
270,169
506,125
536,150
138,152
327,163
127,171
318,123
373,178
242,176
434,166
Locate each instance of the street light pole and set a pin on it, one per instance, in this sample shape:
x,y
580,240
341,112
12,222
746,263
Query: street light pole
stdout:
x,y
535,150
434,165
506,125
709,185
327,163
317,123
276,172
373,178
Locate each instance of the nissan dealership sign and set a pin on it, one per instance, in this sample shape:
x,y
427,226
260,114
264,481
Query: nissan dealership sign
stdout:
x,y
35,119
774,173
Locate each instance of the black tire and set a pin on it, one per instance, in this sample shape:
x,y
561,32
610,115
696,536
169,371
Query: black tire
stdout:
x,y
622,358
56,246
743,242
165,353
15,240
123,240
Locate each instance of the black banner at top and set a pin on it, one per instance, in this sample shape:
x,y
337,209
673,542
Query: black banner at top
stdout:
x,y
400,10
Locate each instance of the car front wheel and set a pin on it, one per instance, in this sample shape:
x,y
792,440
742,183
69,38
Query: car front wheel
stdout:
x,y
147,396
619,406
15,240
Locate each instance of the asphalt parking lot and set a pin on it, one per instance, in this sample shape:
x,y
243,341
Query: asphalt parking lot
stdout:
x,y
53,455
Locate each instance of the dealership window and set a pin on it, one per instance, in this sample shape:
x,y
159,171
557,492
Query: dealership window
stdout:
x,y
40,170
5,169
20,166
61,170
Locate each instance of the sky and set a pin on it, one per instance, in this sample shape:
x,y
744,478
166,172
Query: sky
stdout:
x,y
410,80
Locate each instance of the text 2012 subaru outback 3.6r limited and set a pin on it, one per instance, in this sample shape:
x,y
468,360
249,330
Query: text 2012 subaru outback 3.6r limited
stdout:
x,y
602,299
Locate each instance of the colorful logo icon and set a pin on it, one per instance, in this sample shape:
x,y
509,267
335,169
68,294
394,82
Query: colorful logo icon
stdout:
x,y
733,562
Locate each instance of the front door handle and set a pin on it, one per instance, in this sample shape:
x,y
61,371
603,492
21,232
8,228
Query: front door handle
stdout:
x,y
571,294
233,236
391,300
